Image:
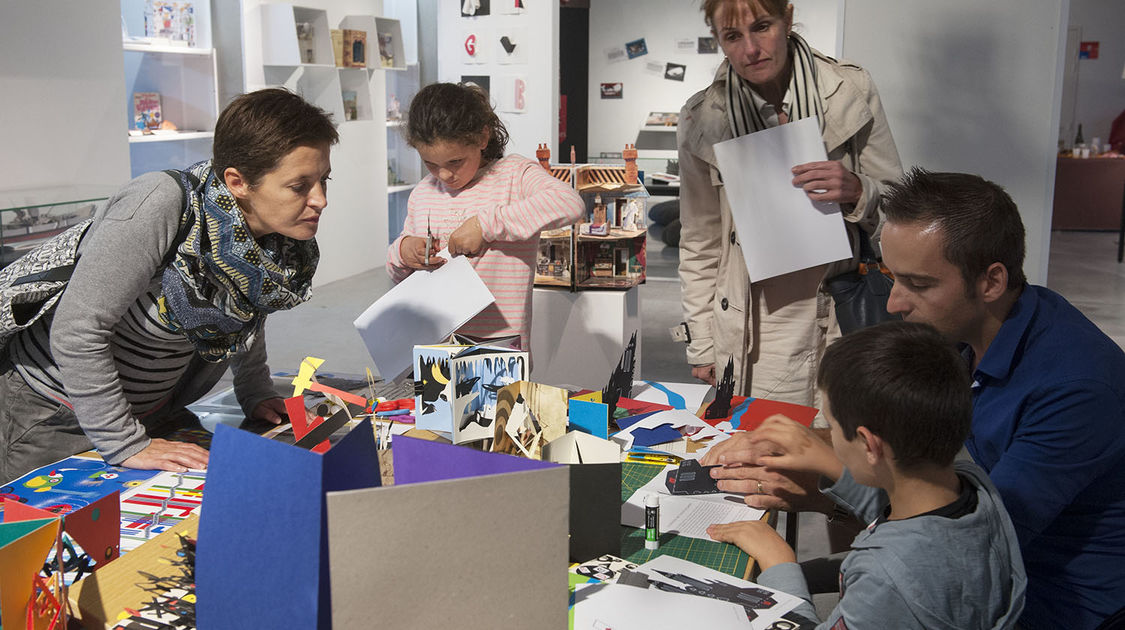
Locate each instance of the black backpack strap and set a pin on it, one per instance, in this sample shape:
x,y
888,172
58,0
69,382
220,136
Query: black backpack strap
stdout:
x,y
188,183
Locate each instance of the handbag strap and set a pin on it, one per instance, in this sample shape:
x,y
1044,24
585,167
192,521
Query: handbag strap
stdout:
x,y
866,251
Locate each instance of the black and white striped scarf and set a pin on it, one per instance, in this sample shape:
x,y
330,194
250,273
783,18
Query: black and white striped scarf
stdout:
x,y
745,117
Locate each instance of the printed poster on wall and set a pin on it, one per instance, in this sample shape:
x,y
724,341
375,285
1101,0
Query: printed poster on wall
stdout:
x,y
636,48
511,45
613,90
685,44
708,46
614,54
474,45
511,92
509,7
655,67
474,8
675,71
480,80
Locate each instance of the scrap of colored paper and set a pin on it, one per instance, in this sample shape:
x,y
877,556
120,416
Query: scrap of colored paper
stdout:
x,y
752,412
656,435
24,546
295,407
341,394
589,417
303,380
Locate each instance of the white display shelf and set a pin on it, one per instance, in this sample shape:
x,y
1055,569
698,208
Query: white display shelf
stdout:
x,y
167,50
356,80
280,46
400,188
389,26
396,123
172,137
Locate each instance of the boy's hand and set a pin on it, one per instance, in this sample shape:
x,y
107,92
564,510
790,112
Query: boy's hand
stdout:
x,y
787,444
412,249
467,239
756,538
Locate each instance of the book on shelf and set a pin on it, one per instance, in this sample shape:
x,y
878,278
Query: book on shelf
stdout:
x,y
351,108
387,50
172,20
355,48
305,42
338,46
146,110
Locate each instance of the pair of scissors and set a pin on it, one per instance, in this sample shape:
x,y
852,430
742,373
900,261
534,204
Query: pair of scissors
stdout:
x,y
429,241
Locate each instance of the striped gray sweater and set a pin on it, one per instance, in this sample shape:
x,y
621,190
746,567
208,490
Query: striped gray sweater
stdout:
x,y
105,353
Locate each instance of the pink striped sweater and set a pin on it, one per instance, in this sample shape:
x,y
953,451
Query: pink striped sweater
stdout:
x,y
514,199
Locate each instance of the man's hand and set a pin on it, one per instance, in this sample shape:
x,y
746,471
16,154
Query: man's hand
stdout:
x,y
270,410
828,181
789,445
705,373
412,249
467,239
756,538
167,455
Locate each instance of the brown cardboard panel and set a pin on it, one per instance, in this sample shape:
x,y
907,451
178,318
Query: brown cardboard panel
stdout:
x,y
483,552
97,599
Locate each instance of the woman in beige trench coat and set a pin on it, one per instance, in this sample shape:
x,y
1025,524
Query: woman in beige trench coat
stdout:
x,y
775,330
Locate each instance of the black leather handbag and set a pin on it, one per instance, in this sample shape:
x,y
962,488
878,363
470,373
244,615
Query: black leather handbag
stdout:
x,y
861,295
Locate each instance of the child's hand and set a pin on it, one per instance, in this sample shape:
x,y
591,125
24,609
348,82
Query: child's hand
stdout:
x,y
756,538
412,249
789,445
467,239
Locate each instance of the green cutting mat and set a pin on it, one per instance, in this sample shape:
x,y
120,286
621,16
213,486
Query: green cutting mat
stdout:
x,y
719,556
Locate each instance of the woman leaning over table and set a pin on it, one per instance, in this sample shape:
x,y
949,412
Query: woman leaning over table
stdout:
x,y
164,297
775,329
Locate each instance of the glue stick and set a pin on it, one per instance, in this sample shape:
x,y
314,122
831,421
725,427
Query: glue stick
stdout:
x,y
652,521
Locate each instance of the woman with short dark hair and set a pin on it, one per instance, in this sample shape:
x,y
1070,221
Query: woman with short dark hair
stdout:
x,y
174,280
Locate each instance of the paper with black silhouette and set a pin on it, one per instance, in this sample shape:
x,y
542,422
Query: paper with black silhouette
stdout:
x,y
779,228
763,606
622,607
424,308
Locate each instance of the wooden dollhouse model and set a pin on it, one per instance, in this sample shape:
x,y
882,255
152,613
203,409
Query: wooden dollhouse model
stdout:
x,y
606,250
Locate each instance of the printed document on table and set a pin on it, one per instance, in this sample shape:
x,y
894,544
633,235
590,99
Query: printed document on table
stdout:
x,y
425,308
779,228
686,515
621,607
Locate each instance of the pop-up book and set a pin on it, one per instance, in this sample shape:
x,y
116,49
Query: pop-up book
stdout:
x,y
728,412
456,387
529,416
263,536
464,539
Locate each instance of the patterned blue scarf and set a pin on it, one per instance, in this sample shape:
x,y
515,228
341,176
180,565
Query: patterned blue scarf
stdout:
x,y
221,283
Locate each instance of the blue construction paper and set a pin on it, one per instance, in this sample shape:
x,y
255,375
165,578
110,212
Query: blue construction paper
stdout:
x,y
262,556
738,411
676,400
589,417
418,461
656,435
629,421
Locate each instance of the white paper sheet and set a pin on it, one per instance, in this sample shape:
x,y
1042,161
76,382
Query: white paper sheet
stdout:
x,y
780,229
620,607
422,309
686,515
687,396
674,566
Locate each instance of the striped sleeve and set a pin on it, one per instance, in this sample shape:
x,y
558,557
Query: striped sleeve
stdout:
x,y
544,203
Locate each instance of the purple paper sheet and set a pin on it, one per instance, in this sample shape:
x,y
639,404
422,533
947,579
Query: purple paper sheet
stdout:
x,y
418,461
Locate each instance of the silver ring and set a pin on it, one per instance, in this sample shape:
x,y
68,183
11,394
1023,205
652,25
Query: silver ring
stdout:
x,y
760,490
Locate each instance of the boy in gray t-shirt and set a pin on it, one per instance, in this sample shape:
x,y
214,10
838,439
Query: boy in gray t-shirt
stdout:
x,y
940,550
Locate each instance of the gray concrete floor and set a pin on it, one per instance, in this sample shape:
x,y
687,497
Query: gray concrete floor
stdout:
x,y
1083,268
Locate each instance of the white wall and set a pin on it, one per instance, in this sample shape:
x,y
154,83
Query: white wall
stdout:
x,y
539,121
975,87
1101,86
614,122
61,76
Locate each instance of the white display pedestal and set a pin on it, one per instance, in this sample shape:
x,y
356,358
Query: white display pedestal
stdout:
x,y
577,338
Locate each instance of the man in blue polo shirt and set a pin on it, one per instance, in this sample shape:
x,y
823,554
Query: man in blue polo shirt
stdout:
x,y
1048,388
